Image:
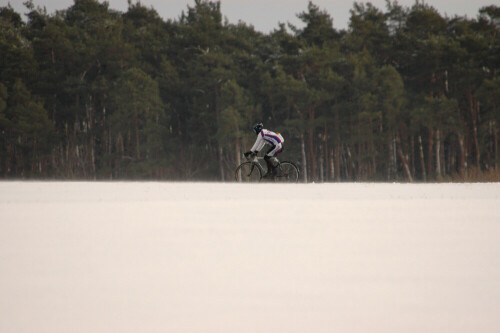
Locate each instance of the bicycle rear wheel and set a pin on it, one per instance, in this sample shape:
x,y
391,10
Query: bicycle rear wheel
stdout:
x,y
288,173
248,172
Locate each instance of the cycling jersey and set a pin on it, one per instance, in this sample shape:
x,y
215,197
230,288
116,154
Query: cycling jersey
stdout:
x,y
275,140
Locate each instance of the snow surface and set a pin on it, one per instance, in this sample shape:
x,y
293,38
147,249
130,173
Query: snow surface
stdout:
x,y
210,257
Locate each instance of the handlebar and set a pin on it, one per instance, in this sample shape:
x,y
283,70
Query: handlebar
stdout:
x,y
253,158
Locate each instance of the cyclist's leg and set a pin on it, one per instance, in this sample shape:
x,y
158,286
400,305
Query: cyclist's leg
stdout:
x,y
277,150
271,160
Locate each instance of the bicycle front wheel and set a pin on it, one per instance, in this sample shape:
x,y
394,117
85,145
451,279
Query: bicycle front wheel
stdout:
x,y
248,172
288,173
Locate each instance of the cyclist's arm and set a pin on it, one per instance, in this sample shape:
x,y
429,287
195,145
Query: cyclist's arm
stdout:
x,y
259,143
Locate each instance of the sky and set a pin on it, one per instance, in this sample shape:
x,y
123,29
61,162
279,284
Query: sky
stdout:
x,y
265,15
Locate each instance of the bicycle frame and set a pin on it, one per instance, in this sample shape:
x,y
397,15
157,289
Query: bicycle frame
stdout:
x,y
258,159
256,162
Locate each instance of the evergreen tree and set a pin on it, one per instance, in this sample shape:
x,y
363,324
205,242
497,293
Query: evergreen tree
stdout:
x,y
403,94
135,121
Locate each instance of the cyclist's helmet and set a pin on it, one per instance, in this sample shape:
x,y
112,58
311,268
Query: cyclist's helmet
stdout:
x,y
258,127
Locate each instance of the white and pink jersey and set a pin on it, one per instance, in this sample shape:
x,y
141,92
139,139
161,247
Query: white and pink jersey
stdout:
x,y
269,137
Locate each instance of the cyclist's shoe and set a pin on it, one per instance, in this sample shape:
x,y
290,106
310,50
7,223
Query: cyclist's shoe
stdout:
x,y
271,162
272,173
268,175
250,155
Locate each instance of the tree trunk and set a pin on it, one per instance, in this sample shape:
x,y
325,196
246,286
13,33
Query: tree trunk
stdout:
x,y
325,150
462,164
92,157
491,145
403,160
374,160
136,129
237,150
412,154
438,153
337,161
304,159
474,109
321,179
391,169
221,164
495,144
332,164
430,145
422,161
310,145
337,147
350,164
476,146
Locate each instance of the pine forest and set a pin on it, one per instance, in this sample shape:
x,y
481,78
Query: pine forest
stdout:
x,y
403,94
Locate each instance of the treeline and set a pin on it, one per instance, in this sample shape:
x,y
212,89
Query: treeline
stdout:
x,y
403,94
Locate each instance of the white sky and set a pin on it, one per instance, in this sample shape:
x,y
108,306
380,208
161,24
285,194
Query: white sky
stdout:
x,y
265,15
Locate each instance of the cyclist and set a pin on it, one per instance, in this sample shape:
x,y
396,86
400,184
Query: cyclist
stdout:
x,y
275,140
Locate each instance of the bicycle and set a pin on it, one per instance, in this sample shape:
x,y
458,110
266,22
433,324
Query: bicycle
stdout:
x,y
252,171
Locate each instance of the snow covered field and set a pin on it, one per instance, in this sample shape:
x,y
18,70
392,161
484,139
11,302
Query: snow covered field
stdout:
x,y
202,258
